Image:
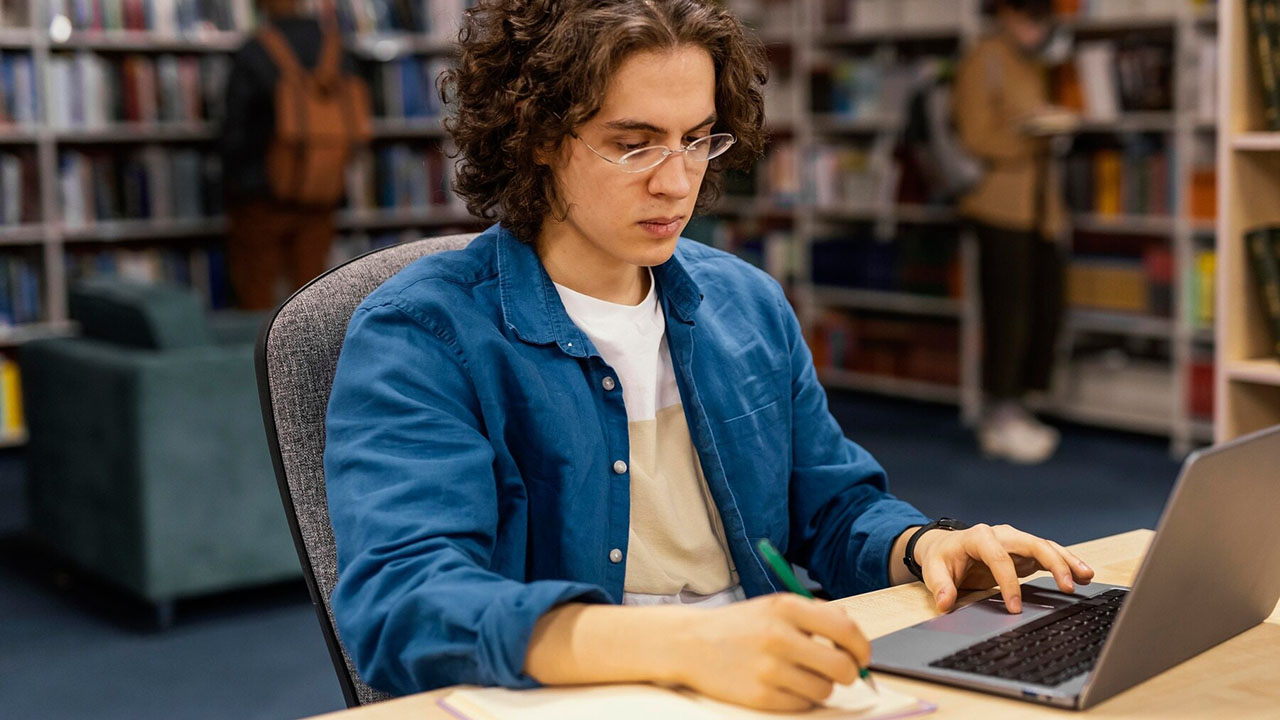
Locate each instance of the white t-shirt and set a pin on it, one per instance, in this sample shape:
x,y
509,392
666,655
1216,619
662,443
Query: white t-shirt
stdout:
x,y
676,552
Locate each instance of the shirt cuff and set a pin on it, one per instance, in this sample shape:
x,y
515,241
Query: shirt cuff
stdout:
x,y
504,635
874,534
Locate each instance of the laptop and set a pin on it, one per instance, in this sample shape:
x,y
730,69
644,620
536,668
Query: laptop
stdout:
x,y
1212,572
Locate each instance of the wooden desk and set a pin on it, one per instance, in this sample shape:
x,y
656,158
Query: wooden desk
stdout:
x,y
1239,679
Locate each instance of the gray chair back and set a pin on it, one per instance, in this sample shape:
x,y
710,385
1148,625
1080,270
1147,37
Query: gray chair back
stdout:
x,y
296,356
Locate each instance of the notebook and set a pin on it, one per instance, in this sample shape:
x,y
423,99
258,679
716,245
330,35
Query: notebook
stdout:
x,y
646,702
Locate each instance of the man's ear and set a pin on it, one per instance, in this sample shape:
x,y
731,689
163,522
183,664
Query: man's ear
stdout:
x,y
551,155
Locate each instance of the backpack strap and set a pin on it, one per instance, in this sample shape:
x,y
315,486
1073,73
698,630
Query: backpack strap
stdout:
x,y
278,48
329,64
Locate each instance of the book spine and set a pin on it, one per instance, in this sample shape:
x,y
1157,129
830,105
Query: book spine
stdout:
x,y
1259,241
11,422
1272,291
1266,69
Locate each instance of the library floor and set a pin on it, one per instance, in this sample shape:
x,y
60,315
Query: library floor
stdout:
x,y
71,649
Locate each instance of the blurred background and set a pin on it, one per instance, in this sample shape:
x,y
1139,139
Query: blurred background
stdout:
x,y
146,567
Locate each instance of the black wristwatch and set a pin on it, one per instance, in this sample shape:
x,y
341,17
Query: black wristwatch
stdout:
x,y
909,557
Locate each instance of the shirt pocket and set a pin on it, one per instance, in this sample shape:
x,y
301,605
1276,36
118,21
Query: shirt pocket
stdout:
x,y
755,448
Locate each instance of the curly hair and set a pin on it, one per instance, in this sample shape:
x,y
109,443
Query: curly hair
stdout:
x,y
530,72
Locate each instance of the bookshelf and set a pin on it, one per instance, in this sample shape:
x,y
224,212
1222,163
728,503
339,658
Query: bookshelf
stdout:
x,y
892,32
57,140
56,42
1248,373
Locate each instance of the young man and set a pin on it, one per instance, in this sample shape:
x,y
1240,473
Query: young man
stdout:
x,y
580,410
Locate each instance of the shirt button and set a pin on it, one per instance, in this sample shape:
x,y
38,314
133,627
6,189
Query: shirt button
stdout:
x,y
619,467
608,383
615,556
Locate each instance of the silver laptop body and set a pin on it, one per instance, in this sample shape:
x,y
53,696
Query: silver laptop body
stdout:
x,y
1212,572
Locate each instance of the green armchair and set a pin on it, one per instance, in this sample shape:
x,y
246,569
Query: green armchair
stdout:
x,y
148,462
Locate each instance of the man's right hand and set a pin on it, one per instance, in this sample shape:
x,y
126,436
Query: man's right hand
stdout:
x,y
771,652
777,652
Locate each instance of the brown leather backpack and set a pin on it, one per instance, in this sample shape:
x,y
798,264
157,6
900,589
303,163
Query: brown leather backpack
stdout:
x,y
321,115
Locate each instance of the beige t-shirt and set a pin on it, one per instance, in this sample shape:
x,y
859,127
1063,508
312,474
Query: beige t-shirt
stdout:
x,y
676,550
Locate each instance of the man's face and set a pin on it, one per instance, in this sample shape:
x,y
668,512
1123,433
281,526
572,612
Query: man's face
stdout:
x,y
655,98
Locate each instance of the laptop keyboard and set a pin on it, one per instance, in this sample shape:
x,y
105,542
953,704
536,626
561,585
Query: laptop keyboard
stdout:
x,y
1046,651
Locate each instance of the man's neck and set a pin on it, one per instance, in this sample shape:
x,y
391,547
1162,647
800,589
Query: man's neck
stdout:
x,y
579,265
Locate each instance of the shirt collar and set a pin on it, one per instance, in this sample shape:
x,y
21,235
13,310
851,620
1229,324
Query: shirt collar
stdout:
x,y
531,307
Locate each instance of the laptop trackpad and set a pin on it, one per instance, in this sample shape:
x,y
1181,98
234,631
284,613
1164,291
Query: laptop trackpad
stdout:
x,y
990,615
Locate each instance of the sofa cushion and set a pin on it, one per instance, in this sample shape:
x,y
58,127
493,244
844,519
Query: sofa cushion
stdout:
x,y
158,317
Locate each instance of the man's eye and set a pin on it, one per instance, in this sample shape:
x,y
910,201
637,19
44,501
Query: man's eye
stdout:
x,y
632,146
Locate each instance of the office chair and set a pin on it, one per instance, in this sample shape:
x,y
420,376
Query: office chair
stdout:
x,y
296,355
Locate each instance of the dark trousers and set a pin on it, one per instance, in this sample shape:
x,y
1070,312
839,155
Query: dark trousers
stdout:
x,y
1022,305
266,242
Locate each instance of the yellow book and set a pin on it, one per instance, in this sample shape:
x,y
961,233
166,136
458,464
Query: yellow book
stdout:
x,y
11,417
1206,266
1107,182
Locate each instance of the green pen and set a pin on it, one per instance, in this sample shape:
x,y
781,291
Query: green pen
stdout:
x,y
782,569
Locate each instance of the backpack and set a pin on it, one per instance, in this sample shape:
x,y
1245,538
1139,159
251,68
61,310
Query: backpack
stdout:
x,y
930,137
321,115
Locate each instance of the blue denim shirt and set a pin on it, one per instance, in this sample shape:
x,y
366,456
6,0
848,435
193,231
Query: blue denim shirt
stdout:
x,y
471,448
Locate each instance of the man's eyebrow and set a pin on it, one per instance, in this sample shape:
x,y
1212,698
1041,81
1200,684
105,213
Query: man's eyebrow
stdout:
x,y
641,126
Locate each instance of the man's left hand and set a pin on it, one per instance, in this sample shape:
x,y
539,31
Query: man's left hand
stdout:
x,y
984,556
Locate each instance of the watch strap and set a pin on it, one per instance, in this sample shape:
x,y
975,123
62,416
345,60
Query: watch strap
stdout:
x,y
909,556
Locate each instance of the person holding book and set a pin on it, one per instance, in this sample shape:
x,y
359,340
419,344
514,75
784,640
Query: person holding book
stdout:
x,y
550,455
1003,116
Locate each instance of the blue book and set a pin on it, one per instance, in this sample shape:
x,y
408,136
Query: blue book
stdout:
x,y
413,92
6,294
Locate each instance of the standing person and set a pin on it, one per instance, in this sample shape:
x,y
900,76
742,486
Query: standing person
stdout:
x,y
549,455
1001,90
294,110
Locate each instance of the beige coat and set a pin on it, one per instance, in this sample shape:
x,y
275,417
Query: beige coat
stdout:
x,y
996,87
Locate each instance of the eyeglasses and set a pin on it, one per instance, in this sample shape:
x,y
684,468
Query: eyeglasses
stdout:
x,y
647,158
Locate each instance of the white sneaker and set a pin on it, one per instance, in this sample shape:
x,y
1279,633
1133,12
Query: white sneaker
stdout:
x,y
1051,433
1017,437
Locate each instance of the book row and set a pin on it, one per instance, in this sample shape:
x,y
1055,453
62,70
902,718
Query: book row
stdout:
x,y
15,14
867,88
921,261
203,269
21,290
144,184
888,346
93,91
773,179
400,175
437,19
1264,31
406,87
878,16
1262,245
1136,178
845,175
1120,9
19,180
162,17
1098,278
19,102
1108,78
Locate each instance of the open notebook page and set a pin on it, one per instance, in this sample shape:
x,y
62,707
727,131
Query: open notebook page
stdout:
x,y
646,702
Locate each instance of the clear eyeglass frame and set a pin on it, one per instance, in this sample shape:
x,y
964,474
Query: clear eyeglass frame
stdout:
x,y
648,158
